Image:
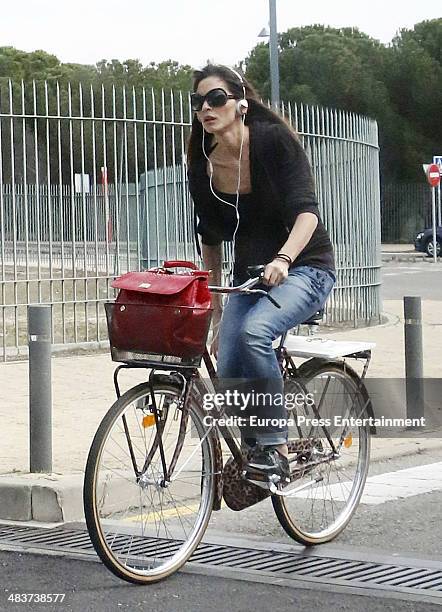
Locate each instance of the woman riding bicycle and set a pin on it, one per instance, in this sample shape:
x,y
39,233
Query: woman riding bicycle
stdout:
x,y
252,184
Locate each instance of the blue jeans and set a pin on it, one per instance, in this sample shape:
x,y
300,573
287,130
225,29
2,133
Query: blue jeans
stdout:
x,y
249,325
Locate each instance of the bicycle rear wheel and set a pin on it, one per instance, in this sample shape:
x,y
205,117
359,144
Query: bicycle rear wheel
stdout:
x,y
329,473
144,527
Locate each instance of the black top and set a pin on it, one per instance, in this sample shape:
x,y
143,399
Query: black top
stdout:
x,y
282,188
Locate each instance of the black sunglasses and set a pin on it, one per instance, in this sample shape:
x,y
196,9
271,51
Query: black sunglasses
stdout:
x,y
215,98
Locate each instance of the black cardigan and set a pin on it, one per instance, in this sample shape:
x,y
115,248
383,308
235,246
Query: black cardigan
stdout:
x,y
282,188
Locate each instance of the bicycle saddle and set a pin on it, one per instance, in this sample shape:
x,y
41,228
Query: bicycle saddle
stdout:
x,y
315,318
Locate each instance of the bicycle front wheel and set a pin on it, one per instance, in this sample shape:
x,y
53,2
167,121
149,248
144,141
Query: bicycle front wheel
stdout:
x,y
329,474
149,483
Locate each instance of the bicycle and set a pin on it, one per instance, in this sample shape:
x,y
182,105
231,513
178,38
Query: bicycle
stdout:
x,y
155,470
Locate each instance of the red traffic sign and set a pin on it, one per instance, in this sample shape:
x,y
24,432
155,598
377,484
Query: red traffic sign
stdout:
x,y
433,175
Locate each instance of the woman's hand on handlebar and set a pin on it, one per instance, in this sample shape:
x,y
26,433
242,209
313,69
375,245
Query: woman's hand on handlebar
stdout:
x,y
275,272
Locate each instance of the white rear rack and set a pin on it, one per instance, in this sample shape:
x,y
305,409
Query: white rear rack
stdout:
x,y
314,346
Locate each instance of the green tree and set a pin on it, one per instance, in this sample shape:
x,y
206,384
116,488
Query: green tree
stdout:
x,y
51,87
399,85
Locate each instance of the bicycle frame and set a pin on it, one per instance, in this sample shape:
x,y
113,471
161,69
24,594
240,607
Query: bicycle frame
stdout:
x,y
191,379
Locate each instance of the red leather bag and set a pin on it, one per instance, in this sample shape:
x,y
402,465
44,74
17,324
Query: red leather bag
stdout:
x,y
161,312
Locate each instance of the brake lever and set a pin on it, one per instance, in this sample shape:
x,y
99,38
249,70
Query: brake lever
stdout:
x,y
262,292
274,302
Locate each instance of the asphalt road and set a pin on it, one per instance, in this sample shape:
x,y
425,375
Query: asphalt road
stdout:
x,y
408,526
421,279
88,586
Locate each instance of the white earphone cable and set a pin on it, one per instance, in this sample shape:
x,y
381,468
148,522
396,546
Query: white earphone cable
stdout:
x,y
236,205
238,185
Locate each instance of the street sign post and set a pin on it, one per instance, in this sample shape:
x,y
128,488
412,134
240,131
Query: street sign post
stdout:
x,y
433,177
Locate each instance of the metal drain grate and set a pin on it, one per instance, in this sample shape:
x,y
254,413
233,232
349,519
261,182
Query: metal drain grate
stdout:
x,y
418,576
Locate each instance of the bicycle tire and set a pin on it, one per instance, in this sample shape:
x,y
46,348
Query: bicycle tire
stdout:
x,y
112,538
293,513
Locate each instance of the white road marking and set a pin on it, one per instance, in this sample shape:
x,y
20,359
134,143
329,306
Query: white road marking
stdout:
x,y
403,270
415,267
400,273
387,487
403,483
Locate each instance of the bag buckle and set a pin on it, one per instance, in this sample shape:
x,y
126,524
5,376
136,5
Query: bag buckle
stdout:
x,y
160,270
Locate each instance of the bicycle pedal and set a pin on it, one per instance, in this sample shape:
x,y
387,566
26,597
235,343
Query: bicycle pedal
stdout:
x,y
258,483
263,480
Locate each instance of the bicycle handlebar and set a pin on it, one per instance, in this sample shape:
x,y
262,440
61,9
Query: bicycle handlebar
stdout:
x,y
246,287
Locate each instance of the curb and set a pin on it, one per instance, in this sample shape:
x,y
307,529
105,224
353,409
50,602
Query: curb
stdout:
x,y
390,320
47,498
57,498
403,257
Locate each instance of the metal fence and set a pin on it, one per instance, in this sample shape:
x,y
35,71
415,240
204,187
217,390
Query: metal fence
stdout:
x,y
405,211
93,183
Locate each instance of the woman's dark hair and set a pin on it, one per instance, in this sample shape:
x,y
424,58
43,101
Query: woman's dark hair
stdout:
x,y
257,111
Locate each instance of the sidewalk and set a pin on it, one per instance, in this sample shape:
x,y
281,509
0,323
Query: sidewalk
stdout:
x,y
401,252
397,248
83,391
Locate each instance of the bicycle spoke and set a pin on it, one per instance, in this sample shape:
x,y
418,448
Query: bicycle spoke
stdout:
x,y
335,465
170,516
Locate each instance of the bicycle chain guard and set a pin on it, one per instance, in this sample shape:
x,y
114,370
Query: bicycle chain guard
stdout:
x,y
239,493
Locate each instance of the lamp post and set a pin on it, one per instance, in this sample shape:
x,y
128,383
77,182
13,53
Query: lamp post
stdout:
x,y
274,64
273,46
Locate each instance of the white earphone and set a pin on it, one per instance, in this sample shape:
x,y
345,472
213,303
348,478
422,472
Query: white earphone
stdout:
x,y
242,105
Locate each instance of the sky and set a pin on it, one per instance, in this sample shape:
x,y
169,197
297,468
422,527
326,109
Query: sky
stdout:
x,y
190,32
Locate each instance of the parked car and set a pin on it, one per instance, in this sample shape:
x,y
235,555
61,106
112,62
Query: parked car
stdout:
x,y
424,241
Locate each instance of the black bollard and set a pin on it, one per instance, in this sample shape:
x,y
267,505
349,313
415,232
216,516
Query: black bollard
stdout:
x,y
414,369
40,388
